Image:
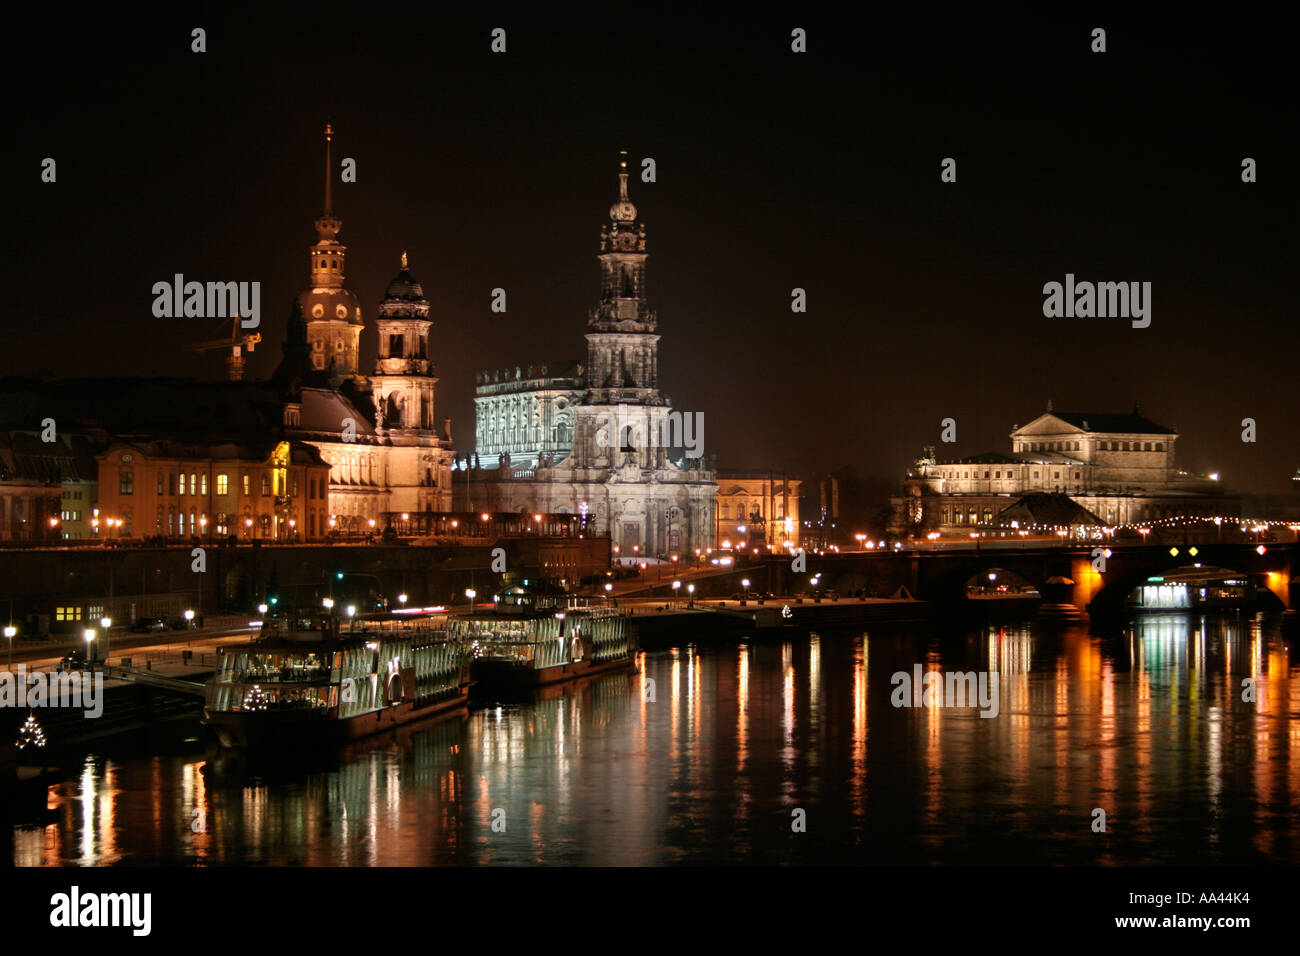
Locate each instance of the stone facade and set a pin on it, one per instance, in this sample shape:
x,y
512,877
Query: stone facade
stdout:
x,y
378,433
652,499
744,496
181,490
1119,467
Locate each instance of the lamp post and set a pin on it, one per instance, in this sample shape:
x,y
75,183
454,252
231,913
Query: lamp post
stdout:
x,y
89,634
690,589
106,623
470,595
677,586
10,631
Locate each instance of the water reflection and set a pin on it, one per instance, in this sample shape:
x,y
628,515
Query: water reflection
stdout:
x,y
1183,730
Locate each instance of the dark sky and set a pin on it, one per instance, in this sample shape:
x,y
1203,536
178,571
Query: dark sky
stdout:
x,y
775,170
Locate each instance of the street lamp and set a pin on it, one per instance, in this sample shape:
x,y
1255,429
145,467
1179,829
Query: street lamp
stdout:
x,y
10,632
329,603
677,586
744,583
189,618
690,589
105,623
352,610
89,634
471,594
262,609
401,599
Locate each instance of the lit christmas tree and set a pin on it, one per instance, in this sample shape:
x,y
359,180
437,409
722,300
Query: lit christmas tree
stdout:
x,y
256,699
31,736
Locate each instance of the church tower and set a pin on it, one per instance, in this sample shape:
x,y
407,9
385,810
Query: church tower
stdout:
x,y
332,313
419,459
620,420
403,382
622,347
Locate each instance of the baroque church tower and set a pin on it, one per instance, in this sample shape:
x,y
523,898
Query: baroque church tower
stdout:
x,y
622,471
622,347
621,419
332,313
403,385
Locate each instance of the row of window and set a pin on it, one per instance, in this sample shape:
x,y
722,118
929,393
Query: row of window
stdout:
x,y
1101,446
746,511
998,474
198,485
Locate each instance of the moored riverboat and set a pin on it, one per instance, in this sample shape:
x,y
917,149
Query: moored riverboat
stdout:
x,y
537,645
315,679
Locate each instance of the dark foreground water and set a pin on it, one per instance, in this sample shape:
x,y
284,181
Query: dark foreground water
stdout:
x,y
1149,727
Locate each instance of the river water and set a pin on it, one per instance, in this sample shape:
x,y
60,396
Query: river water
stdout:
x,y
765,751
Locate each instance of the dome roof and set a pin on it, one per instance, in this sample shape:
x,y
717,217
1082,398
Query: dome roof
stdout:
x,y
330,305
404,288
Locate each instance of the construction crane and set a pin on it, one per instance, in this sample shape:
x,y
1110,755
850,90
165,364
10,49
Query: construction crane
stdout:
x,y
236,343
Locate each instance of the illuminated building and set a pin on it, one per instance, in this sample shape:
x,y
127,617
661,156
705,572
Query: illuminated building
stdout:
x,y
767,508
587,438
1120,468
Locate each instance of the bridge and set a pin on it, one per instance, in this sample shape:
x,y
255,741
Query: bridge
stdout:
x,y
1076,580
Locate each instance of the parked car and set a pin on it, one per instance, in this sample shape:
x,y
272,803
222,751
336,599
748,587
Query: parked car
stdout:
x,y
144,625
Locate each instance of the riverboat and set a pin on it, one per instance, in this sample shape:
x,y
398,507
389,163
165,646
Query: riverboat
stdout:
x,y
313,678
545,642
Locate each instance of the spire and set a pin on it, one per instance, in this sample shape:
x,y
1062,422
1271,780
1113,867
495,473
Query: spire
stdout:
x,y
329,193
623,211
403,258
328,225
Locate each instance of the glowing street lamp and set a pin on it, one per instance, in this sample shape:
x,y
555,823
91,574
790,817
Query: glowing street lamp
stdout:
x,y
329,603
352,610
89,634
262,609
10,633
401,599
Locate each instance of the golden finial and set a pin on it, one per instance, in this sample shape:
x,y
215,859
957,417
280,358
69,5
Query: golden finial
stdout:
x,y
403,258
329,131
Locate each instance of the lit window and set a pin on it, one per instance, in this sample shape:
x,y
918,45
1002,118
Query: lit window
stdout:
x,y
67,613
245,484
203,484
223,484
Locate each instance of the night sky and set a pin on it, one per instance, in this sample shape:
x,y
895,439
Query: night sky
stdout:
x,y
775,170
